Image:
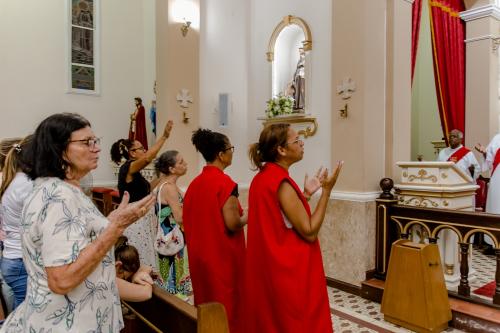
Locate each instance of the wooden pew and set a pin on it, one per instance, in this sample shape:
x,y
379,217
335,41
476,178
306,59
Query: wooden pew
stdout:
x,y
167,313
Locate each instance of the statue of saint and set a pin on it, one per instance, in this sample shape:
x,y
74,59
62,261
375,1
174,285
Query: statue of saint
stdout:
x,y
137,129
299,82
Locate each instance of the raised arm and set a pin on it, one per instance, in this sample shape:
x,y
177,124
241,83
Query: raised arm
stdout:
x,y
62,279
150,155
307,227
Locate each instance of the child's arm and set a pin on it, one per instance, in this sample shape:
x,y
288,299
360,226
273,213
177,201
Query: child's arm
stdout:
x,y
133,292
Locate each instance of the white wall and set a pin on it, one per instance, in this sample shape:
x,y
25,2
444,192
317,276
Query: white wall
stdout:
x,y
33,68
224,53
265,15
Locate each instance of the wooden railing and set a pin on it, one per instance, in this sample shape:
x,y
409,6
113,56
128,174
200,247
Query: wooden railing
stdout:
x,y
167,313
395,221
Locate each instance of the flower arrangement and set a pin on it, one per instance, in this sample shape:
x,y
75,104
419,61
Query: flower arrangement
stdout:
x,y
279,105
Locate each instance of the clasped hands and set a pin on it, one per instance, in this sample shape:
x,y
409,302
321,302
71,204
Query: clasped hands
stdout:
x,y
321,179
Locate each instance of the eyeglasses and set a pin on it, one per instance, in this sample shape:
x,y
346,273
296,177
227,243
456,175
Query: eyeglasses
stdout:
x,y
230,148
90,142
299,141
138,148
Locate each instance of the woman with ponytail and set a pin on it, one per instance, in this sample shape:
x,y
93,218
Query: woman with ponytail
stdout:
x,y
213,226
15,188
135,157
283,262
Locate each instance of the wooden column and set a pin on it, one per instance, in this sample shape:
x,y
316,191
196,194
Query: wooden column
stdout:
x,y
463,287
496,296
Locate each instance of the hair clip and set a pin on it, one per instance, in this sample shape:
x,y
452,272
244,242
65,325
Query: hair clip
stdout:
x,y
17,147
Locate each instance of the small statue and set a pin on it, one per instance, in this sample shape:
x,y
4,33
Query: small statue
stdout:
x,y
299,82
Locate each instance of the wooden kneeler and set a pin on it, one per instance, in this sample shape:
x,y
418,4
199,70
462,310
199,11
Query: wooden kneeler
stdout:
x,y
167,313
415,294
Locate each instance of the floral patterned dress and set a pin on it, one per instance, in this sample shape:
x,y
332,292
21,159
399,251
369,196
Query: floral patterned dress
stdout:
x,y
58,222
174,269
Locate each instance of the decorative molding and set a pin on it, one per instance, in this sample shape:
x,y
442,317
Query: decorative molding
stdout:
x,y
306,124
481,12
286,21
477,39
355,196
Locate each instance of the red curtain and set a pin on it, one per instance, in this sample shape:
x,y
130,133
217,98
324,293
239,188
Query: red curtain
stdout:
x,y
448,32
415,29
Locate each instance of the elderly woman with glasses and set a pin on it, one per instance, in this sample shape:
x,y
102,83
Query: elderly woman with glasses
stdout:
x,y
67,243
284,261
213,226
135,157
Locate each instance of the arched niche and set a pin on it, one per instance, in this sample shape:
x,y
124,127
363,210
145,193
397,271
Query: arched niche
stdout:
x,y
287,51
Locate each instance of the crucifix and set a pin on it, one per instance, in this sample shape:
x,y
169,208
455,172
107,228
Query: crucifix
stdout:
x,y
184,98
346,88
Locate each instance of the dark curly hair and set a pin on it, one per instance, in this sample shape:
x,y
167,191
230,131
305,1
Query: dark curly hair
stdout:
x,y
120,149
209,143
44,153
165,161
127,254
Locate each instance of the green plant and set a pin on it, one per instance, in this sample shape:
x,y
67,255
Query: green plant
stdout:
x,y
279,105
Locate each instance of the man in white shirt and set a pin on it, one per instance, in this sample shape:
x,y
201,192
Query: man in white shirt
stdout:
x,y
463,157
467,162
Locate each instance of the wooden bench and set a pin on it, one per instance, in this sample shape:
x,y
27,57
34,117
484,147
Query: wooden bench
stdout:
x,y
167,313
102,199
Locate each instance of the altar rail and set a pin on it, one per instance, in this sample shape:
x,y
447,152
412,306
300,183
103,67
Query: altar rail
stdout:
x,y
395,221
167,313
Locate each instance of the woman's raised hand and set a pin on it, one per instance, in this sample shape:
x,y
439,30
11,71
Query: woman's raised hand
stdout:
x,y
329,182
311,185
127,213
168,129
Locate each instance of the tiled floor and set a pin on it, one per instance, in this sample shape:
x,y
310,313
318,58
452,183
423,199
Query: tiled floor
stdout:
x,y
353,314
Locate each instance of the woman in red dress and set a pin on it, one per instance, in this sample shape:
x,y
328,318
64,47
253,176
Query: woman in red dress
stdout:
x,y
213,227
285,288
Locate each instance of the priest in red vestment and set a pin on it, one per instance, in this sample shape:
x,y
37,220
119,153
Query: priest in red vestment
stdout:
x,y
213,226
137,129
285,289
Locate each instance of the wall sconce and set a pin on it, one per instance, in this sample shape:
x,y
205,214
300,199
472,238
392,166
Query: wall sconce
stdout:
x,y
185,27
185,12
343,112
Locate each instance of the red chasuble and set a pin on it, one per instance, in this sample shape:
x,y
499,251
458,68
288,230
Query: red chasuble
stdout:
x,y
457,156
285,289
216,255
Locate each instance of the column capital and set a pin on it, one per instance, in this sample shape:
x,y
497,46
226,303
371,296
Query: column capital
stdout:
x,y
491,10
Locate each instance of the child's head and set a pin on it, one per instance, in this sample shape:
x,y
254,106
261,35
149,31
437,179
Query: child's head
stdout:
x,y
126,259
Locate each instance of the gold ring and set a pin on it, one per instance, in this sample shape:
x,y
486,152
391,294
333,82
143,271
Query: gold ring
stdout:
x,y
143,211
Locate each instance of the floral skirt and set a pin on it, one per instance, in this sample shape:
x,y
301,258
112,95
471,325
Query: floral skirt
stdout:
x,y
174,271
142,234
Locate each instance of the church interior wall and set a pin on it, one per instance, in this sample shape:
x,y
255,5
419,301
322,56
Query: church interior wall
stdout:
x,y
224,65
178,68
264,16
33,83
426,125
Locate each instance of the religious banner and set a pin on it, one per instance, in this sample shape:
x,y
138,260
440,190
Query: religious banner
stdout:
x,y
415,30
